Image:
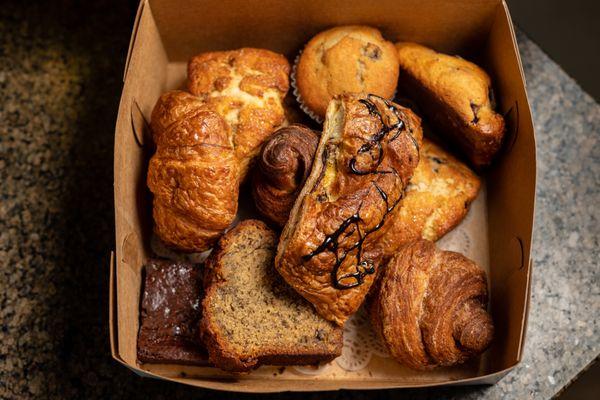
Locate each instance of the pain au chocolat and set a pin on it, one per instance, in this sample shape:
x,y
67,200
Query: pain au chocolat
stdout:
x,y
366,155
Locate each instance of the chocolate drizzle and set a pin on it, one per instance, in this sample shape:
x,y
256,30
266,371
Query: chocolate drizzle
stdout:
x,y
374,146
350,225
331,243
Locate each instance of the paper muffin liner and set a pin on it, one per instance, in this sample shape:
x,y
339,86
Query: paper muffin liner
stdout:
x,y
296,92
298,97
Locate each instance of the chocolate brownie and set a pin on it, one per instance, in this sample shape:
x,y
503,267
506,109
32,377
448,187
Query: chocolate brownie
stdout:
x,y
170,314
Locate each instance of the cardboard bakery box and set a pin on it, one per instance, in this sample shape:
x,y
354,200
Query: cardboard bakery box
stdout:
x,y
497,232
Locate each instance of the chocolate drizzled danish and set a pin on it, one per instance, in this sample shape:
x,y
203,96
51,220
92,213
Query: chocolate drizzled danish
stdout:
x,y
366,155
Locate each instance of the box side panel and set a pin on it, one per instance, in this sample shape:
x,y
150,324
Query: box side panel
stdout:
x,y
144,83
188,27
284,26
511,196
112,305
248,383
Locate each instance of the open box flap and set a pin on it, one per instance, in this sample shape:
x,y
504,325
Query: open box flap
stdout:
x,y
515,47
134,30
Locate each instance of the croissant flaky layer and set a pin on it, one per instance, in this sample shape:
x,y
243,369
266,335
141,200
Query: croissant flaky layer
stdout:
x,y
366,155
282,167
435,201
194,173
430,307
246,87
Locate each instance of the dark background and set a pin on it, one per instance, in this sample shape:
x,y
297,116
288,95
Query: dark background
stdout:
x,y
569,31
61,67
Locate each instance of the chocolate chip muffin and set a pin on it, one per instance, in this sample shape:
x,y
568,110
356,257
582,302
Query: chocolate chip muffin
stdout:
x,y
346,59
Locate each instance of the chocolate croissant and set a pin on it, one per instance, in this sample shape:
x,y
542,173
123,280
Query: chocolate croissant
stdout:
x,y
436,200
193,174
455,95
430,307
282,167
247,87
366,155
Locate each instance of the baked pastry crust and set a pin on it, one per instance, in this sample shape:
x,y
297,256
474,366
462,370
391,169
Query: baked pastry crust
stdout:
x,y
252,317
430,308
194,173
455,95
346,59
283,165
435,201
366,156
247,87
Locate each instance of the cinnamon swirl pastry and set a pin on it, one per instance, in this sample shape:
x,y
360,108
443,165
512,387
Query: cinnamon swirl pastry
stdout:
x,y
430,308
367,153
282,167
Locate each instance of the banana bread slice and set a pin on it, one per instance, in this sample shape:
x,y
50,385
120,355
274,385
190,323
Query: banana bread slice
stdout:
x,y
251,316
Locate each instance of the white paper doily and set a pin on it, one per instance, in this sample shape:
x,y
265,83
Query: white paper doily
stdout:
x,y
361,342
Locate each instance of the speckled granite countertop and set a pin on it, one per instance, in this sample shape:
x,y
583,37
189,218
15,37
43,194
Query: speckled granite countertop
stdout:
x,y
60,80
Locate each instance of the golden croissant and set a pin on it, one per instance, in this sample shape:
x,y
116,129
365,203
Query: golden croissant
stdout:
x,y
194,173
430,307
207,139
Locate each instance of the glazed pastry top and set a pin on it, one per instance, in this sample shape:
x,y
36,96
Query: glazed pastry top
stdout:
x,y
435,201
247,88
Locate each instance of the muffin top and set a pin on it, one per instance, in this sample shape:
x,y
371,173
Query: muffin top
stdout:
x,y
346,59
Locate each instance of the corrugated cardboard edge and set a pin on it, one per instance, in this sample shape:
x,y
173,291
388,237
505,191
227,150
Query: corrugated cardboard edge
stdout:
x,y
525,314
516,48
528,110
112,316
112,311
112,308
136,25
